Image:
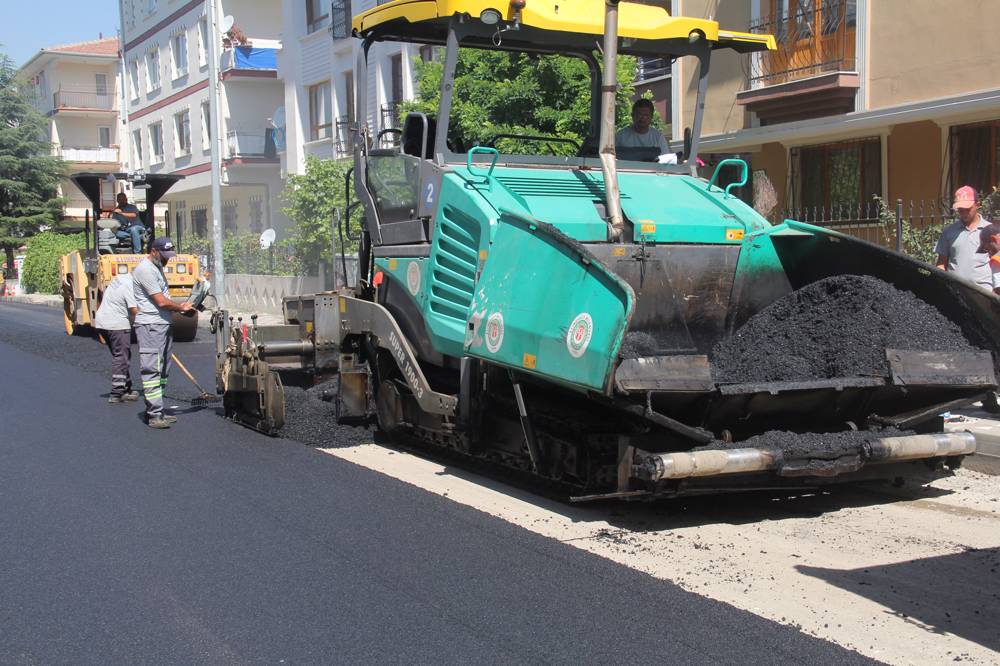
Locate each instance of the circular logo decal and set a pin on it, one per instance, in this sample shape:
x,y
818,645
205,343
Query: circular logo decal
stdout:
x,y
413,277
494,332
578,336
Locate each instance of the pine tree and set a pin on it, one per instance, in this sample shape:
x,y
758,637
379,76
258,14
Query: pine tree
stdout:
x,y
29,175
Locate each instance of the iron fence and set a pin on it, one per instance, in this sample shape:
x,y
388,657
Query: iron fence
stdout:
x,y
390,120
342,146
816,37
890,223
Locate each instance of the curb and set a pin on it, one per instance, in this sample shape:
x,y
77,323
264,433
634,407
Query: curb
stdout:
x,y
986,459
46,300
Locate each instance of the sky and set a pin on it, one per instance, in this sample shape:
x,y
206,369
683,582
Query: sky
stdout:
x,y
30,25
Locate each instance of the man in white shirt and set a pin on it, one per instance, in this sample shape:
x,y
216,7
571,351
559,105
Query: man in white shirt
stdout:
x,y
152,327
114,321
641,133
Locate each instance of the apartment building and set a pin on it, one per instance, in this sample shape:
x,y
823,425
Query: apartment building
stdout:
x,y
861,99
76,87
169,124
318,72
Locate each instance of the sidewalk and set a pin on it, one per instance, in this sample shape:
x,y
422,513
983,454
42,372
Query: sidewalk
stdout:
x,y
48,300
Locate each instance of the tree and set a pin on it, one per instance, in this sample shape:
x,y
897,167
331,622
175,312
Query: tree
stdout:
x,y
314,198
29,175
514,93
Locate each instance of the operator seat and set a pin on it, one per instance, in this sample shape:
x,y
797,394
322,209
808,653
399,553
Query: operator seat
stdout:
x,y
412,137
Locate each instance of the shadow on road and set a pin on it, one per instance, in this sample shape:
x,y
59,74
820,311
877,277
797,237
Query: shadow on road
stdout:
x,y
957,594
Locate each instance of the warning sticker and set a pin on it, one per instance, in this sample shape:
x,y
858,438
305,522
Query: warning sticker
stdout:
x,y
413,277
579,334
734,234
494,332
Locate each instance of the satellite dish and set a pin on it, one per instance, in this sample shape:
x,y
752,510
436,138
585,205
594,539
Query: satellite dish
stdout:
x,y
267,238
277,121
227,23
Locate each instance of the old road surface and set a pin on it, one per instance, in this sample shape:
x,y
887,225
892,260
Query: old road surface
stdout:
x,y
209,543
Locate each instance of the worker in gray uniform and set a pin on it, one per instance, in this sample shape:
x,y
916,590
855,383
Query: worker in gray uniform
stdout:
x,y
152,327
114,321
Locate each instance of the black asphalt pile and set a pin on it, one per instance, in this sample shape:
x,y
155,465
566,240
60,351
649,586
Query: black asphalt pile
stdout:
x,y
836,327
822,445
312,420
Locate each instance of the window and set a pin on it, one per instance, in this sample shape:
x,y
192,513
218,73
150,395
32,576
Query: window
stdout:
x,y
133,76
229,216
257,214
179,54
156,143
180,209
838,175
199,221
317,15
975,156
103,137
101,84
153,69
341,19
182,132
320,117
206,125
203,41
349,88
150,6
137,149
396,77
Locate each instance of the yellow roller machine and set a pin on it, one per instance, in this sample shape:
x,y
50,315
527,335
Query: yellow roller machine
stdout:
x,y
85,273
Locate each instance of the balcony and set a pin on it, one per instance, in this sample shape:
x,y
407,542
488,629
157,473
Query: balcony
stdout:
x,y
258,61
257,145
89,155
83,99
813,72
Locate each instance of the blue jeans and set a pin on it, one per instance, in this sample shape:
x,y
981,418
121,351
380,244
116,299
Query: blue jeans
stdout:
x,y
135,233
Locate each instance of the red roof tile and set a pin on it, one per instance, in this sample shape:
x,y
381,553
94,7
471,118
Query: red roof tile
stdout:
x,y
107,46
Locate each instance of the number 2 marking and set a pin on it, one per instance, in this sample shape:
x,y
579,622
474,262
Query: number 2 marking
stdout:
x,y
430,194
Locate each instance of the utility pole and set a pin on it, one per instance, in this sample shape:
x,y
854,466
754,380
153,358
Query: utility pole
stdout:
x,y
218,267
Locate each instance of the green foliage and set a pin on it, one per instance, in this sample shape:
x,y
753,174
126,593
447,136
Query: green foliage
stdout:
x,y
40,272
989,207
514,93
313,199
918,242
242,253
29,176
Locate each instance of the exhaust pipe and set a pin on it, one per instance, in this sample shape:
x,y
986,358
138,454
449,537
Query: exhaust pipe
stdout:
x,y
689,464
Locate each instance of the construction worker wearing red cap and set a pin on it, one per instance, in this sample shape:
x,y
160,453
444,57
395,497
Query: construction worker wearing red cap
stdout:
x,y
958,248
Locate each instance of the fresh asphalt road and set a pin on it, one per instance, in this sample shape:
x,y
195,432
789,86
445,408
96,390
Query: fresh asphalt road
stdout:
x,y
209,543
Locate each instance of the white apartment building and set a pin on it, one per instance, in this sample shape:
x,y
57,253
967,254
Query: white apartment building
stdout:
x,y
169,124
318,75
76,87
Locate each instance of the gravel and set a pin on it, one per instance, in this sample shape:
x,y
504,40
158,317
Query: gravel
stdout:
x,y
311,420
836,327
825,445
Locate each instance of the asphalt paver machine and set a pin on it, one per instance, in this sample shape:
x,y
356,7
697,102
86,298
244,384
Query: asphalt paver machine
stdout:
x,y
86,273
562,315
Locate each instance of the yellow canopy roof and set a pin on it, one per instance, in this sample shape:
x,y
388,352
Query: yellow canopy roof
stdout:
x,y
426,20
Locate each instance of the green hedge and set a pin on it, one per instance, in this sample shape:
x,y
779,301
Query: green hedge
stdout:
x,y
40,272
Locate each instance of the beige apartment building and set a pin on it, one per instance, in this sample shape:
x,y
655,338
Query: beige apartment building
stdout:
x,y
863,98
76,87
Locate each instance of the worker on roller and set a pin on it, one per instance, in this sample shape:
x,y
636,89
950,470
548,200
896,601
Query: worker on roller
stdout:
x,y
130,224
114,321
958,248
152,328
641,133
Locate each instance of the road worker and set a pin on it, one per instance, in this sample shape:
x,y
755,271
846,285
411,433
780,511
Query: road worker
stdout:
x,y
152,328
114,321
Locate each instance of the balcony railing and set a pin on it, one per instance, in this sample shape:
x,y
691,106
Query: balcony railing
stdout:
x,y
390,120
260,60
250,143
342,138
814,37
89,154
103,100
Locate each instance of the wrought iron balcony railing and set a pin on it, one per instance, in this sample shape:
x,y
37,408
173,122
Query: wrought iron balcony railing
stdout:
x,y
390,120
814,37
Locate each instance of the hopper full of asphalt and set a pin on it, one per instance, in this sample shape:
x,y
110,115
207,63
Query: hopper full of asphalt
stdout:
x,y
835,327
